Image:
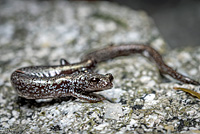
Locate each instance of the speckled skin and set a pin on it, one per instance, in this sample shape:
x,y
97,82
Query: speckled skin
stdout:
x,y
78,80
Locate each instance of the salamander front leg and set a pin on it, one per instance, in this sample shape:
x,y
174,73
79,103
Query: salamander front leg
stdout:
x,y
92,98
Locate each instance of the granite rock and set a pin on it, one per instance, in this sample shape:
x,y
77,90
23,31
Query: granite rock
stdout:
x,y
40,33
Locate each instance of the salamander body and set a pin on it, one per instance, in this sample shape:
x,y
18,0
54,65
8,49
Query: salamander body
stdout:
x,y
79,80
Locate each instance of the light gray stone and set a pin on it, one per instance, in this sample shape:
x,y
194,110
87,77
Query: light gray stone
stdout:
x,y
40,33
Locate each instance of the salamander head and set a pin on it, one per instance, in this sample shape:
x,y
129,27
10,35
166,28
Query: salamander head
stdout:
x,y
93,82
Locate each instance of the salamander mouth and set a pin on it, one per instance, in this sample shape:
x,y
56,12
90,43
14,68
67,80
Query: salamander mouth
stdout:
x,y
106,86
89,90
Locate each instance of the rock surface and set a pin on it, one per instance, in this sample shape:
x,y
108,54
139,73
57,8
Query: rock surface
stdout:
x,y
40,33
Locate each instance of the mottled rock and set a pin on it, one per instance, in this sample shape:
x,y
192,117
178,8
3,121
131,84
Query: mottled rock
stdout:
x,y
40,33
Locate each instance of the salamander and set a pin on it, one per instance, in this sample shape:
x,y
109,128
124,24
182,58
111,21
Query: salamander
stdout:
x,y
147,51
78,79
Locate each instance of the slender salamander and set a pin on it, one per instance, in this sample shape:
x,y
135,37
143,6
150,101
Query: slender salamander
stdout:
x,y
147,51
79,80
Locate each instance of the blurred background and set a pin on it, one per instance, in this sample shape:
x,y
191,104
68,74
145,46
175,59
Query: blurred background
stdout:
x,y
177,20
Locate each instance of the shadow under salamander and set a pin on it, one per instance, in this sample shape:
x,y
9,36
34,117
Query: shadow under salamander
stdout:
x,y
33,103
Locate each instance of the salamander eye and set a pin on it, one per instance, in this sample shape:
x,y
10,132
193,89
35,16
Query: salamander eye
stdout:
x,y
95,79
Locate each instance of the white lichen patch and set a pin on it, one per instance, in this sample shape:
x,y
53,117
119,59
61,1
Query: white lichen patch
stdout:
x,y
113,111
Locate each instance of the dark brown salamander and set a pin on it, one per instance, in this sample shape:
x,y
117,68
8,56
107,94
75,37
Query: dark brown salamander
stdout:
x,y
79,80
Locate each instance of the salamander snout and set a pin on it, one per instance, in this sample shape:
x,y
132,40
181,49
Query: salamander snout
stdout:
x,y
110,77
98,82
